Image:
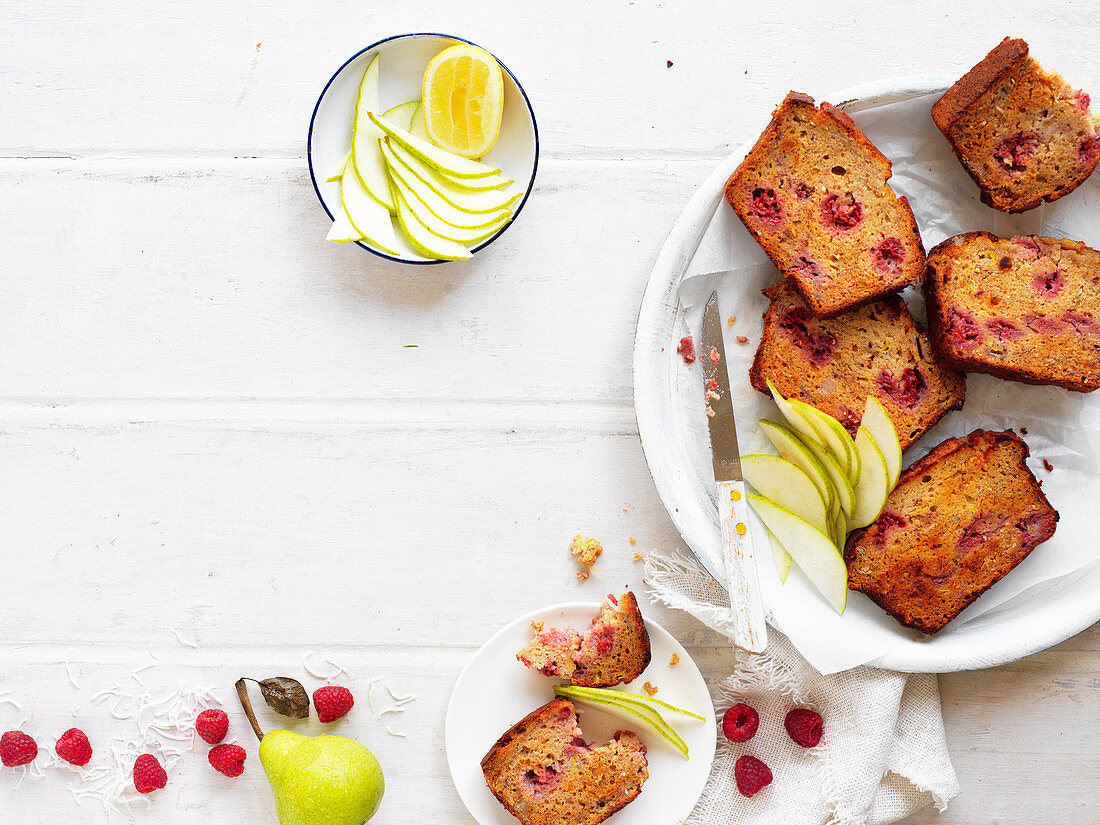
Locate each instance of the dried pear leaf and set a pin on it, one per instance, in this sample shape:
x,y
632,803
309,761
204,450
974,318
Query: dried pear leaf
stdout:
x,y
286,696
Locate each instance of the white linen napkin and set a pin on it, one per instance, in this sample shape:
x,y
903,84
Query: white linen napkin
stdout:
x,y
882,755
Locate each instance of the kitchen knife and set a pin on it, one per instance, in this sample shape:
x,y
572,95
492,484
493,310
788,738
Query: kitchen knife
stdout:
x,y
743,582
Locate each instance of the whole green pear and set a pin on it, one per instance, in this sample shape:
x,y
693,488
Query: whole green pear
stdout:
x,y
321,780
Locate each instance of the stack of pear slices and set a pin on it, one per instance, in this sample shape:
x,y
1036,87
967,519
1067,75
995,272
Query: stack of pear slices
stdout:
x,y
822,485
442,204
633,706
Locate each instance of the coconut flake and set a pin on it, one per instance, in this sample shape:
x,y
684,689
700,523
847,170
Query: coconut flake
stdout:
x,y
393,732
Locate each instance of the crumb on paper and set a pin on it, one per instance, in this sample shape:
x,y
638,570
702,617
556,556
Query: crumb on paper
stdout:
x,y
1023,430
1047,465
710,412
650,688
731,320
632,540
668,64
585,551
638,557
583,574
675,660
538,626
715,357
742,339
686,348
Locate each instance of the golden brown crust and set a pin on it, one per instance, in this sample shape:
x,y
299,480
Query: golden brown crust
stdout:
x,y
957,522
966,91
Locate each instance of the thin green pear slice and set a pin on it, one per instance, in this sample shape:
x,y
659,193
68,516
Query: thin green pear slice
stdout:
x,y
647,715
401,115
466,199
438,207
423,240
882,430
441,159
837,477
366,214
342,229
834,437
792,448
840,530
445,230
365,133
874,483
780,557
788,485
814,551
343,165
805,430
418,128
657,704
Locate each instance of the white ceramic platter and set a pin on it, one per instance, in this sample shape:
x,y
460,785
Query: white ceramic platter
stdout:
x,y
494,691
403,59
1056,609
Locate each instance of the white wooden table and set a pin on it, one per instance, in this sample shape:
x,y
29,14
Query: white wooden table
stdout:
x,y
227,445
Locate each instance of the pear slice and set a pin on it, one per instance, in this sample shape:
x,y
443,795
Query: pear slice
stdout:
x,y
780,557
628,710
342,229
369,217
798,422
340,169
445,230
369,165
874,481
418,128
401,115
794,450
637,698
834,437
840,530
490,199
440,159
882,430
841,485
421,239
427,196
814,551
785,483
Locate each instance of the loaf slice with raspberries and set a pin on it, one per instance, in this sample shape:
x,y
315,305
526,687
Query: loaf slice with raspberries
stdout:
x,y
1025,308
813,192
1022,133
956,523
544,773
835,364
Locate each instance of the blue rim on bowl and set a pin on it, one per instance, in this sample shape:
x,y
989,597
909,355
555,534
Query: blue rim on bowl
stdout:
x,y
321,97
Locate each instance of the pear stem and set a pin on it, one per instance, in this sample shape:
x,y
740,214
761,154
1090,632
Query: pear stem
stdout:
x,y
246,703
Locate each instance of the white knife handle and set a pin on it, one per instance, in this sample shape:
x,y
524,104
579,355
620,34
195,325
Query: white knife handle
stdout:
x,y
743,581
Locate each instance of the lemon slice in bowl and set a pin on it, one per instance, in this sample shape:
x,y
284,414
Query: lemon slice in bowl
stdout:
x,y
463,100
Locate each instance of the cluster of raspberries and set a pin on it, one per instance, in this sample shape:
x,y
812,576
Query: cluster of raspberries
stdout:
x,y
212,726
739,724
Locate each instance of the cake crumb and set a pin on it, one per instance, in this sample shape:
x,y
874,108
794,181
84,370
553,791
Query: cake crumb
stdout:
x,y
583,575
637,557
731,320
675,660
586,551
650,688
1023,430
1047,465
668,64
686,349
742,339
538,626
632,540
714,356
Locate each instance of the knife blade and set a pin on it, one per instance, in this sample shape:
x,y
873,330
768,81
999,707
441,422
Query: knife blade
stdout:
x,y
742,578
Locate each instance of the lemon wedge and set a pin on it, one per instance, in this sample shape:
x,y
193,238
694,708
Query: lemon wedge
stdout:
x,y
463,100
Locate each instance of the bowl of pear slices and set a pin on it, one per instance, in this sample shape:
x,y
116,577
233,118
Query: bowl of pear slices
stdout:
x,y
422,149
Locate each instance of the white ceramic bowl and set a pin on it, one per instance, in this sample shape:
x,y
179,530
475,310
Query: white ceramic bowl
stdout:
x,y
403,60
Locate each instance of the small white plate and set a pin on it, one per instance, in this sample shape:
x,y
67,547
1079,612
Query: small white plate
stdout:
x,y
494,691
401,73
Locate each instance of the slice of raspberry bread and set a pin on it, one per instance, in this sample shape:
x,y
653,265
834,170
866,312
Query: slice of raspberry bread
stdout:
x,y
813,194
1025,308
957,522
613,651
1022,133
544,773
836,364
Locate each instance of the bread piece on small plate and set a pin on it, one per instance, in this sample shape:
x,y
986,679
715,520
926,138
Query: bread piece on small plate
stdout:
x,y
958,521
813,192
1025,308
835,364
613,651
1022,133
544,773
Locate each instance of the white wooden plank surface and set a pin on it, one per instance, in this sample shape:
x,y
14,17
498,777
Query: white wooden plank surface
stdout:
x,y
210,421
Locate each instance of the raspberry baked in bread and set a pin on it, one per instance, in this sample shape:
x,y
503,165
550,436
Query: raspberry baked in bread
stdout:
x,y
1025,308
1022,133
836,364
613,651
957,522
813,194
544,772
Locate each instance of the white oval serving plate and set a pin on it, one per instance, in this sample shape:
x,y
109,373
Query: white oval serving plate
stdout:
x,y
494,691
1055,610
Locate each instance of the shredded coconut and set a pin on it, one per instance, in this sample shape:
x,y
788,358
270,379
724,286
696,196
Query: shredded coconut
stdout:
x,y
393,732
73,680
316,673
5,699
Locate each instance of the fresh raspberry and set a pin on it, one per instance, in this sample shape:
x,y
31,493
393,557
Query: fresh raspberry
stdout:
x,y
804,726
740,723
332,702
74,747
212,725
16,748
751,775
149,776
228,759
